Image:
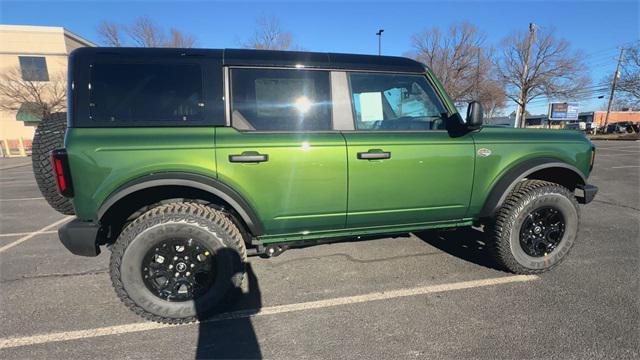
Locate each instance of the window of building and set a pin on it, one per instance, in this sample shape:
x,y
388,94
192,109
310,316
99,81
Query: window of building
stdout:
x,y
33,68
388,102
146,93
281,100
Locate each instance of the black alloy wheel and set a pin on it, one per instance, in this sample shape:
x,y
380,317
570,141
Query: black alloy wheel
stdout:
x,y
542,231
179,269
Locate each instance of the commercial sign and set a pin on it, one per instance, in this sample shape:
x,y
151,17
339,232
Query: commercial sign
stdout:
x,y
563,111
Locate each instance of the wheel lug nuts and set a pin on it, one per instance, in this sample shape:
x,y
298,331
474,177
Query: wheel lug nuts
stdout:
x,y
177,274
188,273
175,258
192,265
170,266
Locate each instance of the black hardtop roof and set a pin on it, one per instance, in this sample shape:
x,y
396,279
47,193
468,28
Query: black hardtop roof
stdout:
x,y
271,58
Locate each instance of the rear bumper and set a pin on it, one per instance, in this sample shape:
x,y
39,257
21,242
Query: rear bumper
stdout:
x,y
588,193
80,237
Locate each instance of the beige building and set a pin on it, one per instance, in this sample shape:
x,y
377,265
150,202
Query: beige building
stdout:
x,y
37,52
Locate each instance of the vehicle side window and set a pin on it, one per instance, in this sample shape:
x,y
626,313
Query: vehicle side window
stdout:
x,y
389,102
146,93
280,100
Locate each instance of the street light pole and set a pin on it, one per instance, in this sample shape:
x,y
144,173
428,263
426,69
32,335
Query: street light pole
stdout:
x,y
379,33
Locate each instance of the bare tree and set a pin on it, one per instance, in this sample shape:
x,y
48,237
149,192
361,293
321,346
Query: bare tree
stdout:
x,y
269,35
553,69
42,97
492,97
110,34
178,39
461,61
629,81
143,32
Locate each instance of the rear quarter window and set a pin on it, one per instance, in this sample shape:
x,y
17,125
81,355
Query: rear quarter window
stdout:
x,y
132,94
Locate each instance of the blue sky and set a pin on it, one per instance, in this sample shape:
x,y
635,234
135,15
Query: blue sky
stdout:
x,y
596,28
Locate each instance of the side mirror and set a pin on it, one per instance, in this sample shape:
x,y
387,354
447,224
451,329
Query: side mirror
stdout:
x,y
474,115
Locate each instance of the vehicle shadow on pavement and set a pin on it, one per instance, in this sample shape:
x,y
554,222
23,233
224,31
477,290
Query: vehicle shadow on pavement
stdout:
x,y
233,338
466,243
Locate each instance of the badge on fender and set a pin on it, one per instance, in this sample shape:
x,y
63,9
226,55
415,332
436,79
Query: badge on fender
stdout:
x,y
484,152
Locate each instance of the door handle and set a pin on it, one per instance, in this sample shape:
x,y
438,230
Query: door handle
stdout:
x,y
374,155
249,157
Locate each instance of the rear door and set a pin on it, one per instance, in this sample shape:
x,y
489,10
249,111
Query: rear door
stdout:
x,y
404,166
281,152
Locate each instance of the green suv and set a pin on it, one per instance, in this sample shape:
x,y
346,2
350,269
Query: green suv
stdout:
x,y
185,161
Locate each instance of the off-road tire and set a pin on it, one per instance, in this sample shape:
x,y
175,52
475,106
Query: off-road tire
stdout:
x,y
49,136
504,232
181,218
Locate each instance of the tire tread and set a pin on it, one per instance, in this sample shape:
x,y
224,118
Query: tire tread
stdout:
x,y
502,226
216,221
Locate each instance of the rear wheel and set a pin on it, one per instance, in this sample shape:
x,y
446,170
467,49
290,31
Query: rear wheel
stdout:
x,y
177,262
535,228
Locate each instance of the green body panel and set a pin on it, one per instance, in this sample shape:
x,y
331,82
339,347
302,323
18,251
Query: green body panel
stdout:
x,y
301,188
510,147
313,185
102,160
428,178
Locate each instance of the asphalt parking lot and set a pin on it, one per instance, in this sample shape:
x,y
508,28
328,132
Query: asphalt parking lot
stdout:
x,y
426,295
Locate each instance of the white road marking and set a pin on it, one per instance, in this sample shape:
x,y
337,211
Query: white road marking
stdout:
x,y
37,232
616,155
623,167
271,310
616,148
622,150
27,233
23,199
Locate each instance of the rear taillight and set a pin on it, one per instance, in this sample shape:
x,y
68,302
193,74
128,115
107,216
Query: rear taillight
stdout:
x,y
60,165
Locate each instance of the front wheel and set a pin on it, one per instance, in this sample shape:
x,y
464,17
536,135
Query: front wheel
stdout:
x,y
535,228
177,262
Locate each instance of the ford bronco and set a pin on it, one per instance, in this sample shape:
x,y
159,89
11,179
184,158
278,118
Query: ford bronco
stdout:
x,y
185,161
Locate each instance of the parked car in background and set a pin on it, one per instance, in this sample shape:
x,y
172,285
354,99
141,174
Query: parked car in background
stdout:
x,y
615,128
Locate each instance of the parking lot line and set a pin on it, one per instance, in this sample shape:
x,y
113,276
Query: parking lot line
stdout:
x,y
23,199
624,167
621,150
37,232
27,233
271,310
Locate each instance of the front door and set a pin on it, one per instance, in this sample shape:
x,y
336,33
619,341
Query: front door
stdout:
x,y
404,167
281,153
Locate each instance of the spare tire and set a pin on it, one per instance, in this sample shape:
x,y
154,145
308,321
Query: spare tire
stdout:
x,y
49,136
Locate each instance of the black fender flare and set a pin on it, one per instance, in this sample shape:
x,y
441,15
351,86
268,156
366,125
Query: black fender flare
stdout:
x,y
196,181
508,181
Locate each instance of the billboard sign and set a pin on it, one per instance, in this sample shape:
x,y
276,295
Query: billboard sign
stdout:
x,y
563,111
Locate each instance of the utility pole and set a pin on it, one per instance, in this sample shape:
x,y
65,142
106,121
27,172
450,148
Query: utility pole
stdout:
x,y
520,121
477,97
613,88
379,33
